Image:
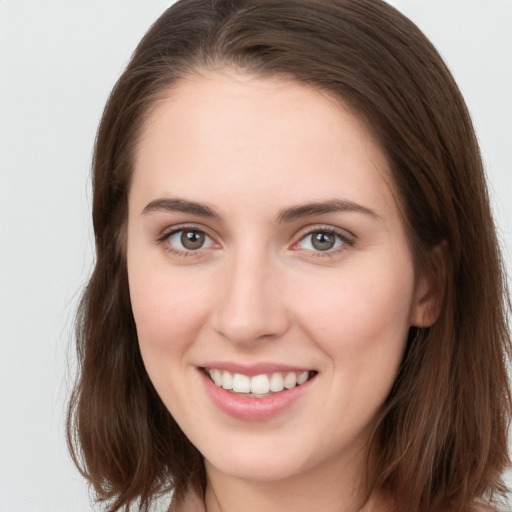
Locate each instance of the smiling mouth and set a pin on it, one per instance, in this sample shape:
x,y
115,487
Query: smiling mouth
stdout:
x,y
258,386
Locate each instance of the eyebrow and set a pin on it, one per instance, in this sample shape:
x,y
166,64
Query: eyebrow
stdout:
x,y
179,205
312,209
286,215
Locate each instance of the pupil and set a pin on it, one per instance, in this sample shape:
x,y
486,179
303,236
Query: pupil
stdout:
x,y
192,239
322,241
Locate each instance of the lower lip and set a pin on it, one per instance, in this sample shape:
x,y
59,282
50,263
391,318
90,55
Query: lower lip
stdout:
x,y
253,409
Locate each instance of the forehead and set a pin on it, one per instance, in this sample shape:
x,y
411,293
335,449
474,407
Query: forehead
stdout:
x,y
264,134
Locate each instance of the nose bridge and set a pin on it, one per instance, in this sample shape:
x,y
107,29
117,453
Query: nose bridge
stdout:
x,y
250,305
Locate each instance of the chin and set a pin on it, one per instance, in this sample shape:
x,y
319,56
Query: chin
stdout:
x,y
257,468
269,459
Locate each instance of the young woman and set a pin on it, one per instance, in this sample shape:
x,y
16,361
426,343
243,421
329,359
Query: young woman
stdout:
x,y
298,301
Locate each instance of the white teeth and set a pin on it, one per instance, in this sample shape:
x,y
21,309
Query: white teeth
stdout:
x,y
216,377
241,383
302,377
290,381
227,380
276,383
258,385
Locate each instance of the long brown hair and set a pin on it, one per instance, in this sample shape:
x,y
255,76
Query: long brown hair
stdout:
x,y
441,437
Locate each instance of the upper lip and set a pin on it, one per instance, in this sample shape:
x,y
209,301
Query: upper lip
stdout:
x,y
255,368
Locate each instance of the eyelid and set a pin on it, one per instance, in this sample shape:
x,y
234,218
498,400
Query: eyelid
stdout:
x,y
348,239
164,235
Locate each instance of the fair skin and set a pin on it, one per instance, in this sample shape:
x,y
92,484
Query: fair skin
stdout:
x,y
264,238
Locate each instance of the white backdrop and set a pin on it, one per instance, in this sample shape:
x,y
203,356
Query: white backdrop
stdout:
x,y
58,62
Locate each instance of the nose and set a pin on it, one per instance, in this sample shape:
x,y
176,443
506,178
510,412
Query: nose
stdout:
x,y
251,303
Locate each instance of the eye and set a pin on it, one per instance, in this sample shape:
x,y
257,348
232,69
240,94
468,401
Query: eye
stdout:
x,y
187,240
322,240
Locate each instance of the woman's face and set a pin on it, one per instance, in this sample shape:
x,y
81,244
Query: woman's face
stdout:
x,y
265,247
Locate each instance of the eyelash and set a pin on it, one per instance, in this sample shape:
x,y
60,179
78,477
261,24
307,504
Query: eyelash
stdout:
x,y
164,240
345,239
340,235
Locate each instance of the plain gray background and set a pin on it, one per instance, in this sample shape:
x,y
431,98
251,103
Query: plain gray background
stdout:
x,y
58,61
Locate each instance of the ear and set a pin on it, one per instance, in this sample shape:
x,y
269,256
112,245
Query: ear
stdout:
x,y
430,286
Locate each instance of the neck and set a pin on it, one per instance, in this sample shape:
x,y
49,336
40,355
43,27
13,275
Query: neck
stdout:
x,y
326,489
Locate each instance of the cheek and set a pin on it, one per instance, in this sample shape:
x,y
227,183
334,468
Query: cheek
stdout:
x,y
169,313
169,307
362,313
